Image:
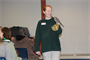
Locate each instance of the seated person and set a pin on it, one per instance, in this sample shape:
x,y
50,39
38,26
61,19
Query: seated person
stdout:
x,y
23,41
5,50
7,40
0,27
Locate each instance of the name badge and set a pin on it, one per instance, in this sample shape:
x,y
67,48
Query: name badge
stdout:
x,y
43,23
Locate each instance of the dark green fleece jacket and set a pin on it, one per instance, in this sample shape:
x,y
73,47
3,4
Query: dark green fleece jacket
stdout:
x,y
49,38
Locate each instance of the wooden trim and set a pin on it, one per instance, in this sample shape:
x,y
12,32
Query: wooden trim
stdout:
x,y
43,3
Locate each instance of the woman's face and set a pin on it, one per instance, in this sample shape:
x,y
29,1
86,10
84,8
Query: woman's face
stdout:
x,y
1,34
48,12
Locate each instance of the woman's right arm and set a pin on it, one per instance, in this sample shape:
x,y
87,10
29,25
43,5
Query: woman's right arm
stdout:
x,y
9,54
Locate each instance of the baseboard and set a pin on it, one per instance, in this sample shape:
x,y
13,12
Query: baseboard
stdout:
x,y
72,56
70,59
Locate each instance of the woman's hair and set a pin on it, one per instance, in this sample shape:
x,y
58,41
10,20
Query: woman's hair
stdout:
x,y
23,31
0,26
1,38
45,7
7,33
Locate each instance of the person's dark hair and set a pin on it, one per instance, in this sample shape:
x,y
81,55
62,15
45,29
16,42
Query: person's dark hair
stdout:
x,y
23,31
7,33
45,7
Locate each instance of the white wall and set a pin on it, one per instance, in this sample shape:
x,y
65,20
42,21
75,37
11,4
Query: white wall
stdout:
x,y
0,12
25,13
74,15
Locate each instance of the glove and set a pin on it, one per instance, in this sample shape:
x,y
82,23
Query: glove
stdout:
x,y
55,27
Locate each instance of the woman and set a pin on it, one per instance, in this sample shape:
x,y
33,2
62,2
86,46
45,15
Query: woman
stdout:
x,y
23,41
48,32
5,50
7,40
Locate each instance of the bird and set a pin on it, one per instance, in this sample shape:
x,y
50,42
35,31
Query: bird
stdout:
x,y
58,21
